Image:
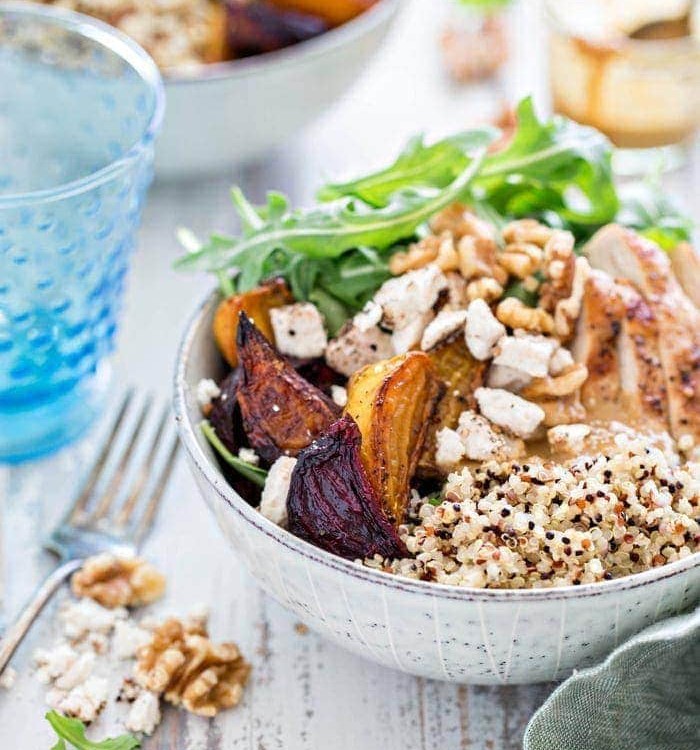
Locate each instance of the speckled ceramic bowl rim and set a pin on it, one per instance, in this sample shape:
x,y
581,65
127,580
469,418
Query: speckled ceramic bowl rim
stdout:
x,y
129,51
296,54
208,469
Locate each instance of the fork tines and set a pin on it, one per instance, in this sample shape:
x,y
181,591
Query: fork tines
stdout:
x,y
126,483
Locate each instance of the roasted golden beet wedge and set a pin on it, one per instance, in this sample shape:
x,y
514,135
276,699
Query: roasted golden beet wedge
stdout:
x,y
461,375
392,402
257,304
331,502
282,413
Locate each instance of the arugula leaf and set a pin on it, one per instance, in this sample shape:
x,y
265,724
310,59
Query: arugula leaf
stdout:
x,y
73,731
646,208
417,166
330,230
253,473
556,167
551,167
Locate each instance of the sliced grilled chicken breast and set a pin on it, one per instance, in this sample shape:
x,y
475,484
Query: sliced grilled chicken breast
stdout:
x,y
642,381
624,254
685,262
595,345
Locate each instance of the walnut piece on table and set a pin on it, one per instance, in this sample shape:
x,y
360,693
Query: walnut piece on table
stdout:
x,y
183,664
474,54
118,581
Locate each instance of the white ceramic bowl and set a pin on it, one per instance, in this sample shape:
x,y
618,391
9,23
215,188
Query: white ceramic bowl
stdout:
x,y
460,634
233,112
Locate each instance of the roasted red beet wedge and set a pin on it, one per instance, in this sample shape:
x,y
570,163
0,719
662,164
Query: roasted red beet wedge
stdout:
x,y
282,413
331,502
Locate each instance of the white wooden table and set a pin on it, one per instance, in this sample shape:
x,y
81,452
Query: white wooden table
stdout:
x,y
305,693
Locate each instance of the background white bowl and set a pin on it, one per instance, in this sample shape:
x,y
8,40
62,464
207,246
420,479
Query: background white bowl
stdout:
x,y
233,112
459,634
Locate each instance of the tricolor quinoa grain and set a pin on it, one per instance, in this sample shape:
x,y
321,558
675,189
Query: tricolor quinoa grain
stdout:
x,y
543,524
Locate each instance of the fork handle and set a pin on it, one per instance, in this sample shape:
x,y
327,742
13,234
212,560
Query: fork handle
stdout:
x,y
14,635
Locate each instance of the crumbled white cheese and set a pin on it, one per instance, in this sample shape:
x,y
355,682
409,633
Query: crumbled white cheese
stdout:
x,y
85,616
410,295
569,438
482,330
515,414
408,337
207,391
526,352
51,663
128,639
354,348
449,449
8,678
144,715
299,330
339,395
369,317
77,673
83,702
481,442
249,456
273,504
502,376
560,360
445,323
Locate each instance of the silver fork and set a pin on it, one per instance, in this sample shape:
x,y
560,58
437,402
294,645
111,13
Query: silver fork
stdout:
x,y
94,524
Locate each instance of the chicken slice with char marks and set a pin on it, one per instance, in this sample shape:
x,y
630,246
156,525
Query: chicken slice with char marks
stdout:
x,y
595,346
685,262
642,381
624,254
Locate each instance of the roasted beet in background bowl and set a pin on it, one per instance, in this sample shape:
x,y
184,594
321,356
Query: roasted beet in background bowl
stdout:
x,y
479,636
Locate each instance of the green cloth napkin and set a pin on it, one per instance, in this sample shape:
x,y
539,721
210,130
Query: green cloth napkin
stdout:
x,y
644,696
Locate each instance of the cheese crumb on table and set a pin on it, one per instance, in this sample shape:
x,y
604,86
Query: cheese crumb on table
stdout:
x,y
85,616
128,639
144,714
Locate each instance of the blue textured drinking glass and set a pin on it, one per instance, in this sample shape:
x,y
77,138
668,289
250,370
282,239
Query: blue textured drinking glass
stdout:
x,y
80,106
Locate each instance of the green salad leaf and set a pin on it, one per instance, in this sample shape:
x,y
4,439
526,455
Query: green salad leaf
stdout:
x,y
646,208
72,731
337,253
417,166
253,473
327,231
557,171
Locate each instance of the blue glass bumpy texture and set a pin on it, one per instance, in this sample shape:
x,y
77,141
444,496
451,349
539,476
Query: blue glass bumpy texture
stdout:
x,y
62,273
76,158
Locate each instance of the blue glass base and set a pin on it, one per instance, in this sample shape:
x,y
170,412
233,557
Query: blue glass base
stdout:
x,y
36,429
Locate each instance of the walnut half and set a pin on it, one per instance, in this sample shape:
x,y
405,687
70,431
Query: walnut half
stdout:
x,y
181,662
118,581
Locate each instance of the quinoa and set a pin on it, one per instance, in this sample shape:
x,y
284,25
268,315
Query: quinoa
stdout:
x,y
545,524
